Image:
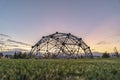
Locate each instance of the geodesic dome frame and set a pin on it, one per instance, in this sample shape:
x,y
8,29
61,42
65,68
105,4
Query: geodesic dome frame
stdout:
x,y
61,44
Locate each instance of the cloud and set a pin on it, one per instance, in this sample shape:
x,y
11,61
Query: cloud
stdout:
x,y
5,35
19,49
13,45
102,43
9,40
1,43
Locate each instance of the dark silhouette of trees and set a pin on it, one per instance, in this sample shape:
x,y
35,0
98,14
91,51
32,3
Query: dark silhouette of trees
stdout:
x,y
15,56
116,52
9,56
105,55
20,55
1,55
24,56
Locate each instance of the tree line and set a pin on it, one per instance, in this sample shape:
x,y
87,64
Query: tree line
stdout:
x,y
24,55
17,55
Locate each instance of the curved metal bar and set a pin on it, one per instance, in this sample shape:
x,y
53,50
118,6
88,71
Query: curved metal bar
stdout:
x,y
63,43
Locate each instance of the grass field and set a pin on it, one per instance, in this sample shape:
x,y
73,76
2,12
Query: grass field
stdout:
x,y
66,69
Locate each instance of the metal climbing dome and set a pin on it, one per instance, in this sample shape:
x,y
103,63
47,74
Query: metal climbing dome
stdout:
x,y
61,44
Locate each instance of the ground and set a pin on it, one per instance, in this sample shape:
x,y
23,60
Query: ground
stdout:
x,y
60,69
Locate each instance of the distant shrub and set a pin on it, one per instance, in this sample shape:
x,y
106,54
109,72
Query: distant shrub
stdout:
x,y
20,55
105,55
1,55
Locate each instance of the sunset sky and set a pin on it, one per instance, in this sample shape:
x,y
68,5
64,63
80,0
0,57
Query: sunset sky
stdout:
x,y
96,21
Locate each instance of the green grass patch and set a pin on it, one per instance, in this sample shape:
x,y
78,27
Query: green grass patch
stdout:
x,y
60,69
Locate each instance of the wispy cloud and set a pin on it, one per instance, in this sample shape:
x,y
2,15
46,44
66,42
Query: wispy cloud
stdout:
x,y
5,35
19,49
1,43
102,43
13,45
22,43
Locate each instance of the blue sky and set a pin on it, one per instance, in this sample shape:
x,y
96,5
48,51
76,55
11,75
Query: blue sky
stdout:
x,y
96,21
